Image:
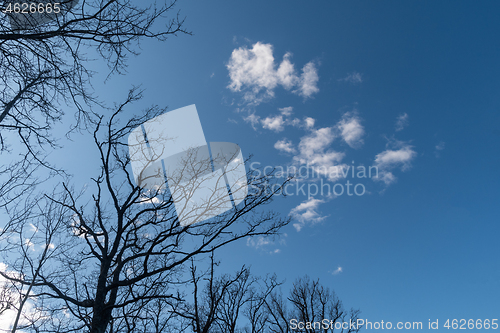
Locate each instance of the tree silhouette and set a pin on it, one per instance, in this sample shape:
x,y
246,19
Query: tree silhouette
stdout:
x,y
120,250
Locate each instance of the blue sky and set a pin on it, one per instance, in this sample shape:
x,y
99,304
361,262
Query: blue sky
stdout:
x,y
410,87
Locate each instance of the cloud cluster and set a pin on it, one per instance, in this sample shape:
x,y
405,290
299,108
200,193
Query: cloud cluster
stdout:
x,y
275,122
315,148
254,72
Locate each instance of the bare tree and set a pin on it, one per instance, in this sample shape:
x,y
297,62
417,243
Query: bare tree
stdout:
x,y
309,303
248,304
223,302
121,252
43,58
46,62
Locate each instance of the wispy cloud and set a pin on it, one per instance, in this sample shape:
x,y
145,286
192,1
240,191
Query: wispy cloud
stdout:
x,y
253,119
440,146
262,243
254,72
402,121
258,242
307,212
354,78
337,271
390,159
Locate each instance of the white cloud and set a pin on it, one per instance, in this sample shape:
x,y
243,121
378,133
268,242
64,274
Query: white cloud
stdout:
x,y
11,294
308,84
317,141
353,78
263,244
402,122
391,159
286,111
307,212
29,244
258,243
314,151
285,145
351,130
253,119
274,123
253,72
337,271
309,122
286,72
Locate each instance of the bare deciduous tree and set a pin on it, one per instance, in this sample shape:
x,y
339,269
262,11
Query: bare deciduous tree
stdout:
x,y
309,302
242,303
120,252
44,66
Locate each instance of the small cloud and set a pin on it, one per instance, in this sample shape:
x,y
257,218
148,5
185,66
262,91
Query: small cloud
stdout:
x,y
263,244
308,83
274,123
230,120
307,212
353,78
29,244
337,271
402,122
309,122
258,243
351,130
212,75
253,119
314,151
285,145
286,111
391,159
